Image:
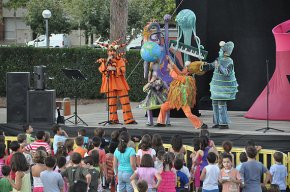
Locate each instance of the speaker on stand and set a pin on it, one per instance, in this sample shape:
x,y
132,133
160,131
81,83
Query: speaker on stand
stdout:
x,y
41,108
17,85
41,102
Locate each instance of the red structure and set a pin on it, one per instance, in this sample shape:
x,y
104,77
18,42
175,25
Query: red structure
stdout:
x,y
279,85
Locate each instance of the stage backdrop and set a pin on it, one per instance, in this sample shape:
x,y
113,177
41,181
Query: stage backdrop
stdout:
x,y
249,25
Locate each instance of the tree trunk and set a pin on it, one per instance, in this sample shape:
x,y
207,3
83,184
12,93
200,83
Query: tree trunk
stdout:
x,y
118,20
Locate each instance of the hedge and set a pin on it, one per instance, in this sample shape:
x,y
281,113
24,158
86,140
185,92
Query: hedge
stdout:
x,y
22,59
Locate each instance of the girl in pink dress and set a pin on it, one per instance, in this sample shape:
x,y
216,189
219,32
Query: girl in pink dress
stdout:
x,y
168,182
196,158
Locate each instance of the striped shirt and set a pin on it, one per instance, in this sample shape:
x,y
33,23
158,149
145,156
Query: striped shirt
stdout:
x,y
39,143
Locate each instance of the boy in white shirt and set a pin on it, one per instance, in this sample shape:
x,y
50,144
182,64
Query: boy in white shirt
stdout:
x,y
210,174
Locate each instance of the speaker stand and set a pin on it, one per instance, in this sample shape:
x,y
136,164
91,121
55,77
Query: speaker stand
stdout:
x,y
77,118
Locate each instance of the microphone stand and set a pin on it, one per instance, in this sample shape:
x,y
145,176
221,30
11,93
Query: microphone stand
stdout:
x,y
267,98
108,96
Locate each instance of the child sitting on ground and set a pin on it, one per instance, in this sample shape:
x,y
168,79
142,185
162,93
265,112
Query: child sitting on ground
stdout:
x,y
229,177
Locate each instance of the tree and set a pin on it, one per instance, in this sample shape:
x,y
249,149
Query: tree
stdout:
x,y
58,23
118,19
90,15
142,11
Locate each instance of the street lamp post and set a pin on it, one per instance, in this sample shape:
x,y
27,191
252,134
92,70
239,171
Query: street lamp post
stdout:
x,y
46,14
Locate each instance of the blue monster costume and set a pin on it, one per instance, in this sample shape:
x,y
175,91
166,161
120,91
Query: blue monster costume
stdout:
x,y
223,86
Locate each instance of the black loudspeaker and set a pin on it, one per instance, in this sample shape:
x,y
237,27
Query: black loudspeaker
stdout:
x,y
41,108
39,77
17,85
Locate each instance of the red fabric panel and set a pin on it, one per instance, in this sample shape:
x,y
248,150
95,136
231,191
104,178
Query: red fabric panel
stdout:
x,y
279,86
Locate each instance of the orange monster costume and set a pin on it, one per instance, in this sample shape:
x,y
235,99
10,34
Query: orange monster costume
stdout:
x,y
182,94
114,69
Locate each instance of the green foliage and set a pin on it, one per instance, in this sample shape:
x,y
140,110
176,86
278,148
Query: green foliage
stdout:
x,y
91,15
22,59
142,11
58,23
15,4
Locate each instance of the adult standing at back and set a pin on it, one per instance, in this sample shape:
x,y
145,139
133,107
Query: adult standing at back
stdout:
x,y
124,163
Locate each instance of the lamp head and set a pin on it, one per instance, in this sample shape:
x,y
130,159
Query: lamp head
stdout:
x,y
46,14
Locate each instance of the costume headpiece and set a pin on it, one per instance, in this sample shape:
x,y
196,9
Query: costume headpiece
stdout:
x,y
114,46
227,47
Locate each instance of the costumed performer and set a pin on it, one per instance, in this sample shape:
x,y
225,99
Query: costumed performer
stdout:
x,y
182,93
156,90
113,70
223,86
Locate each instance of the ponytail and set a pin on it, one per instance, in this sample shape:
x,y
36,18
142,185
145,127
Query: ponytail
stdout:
x,y
123,141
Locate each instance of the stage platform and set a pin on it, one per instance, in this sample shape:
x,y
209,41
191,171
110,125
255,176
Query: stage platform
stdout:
x,y
241,129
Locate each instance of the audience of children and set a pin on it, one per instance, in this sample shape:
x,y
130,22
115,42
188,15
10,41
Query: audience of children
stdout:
x,y
243,158
177,145
181,178
157,143
80,146
52,181
279,172
145,148
229,177
210,174
124,163
252,171
5,185
196,158
39,166
60,136
28,129
73,168
147,172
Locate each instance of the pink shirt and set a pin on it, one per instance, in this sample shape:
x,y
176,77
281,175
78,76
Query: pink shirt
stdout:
x,y
168,182
230,186
147,174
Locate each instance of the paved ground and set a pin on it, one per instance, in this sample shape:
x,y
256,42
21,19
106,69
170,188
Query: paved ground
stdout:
x,y
95,113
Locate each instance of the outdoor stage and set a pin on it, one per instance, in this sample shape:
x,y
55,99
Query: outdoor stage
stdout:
x,y
241,129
